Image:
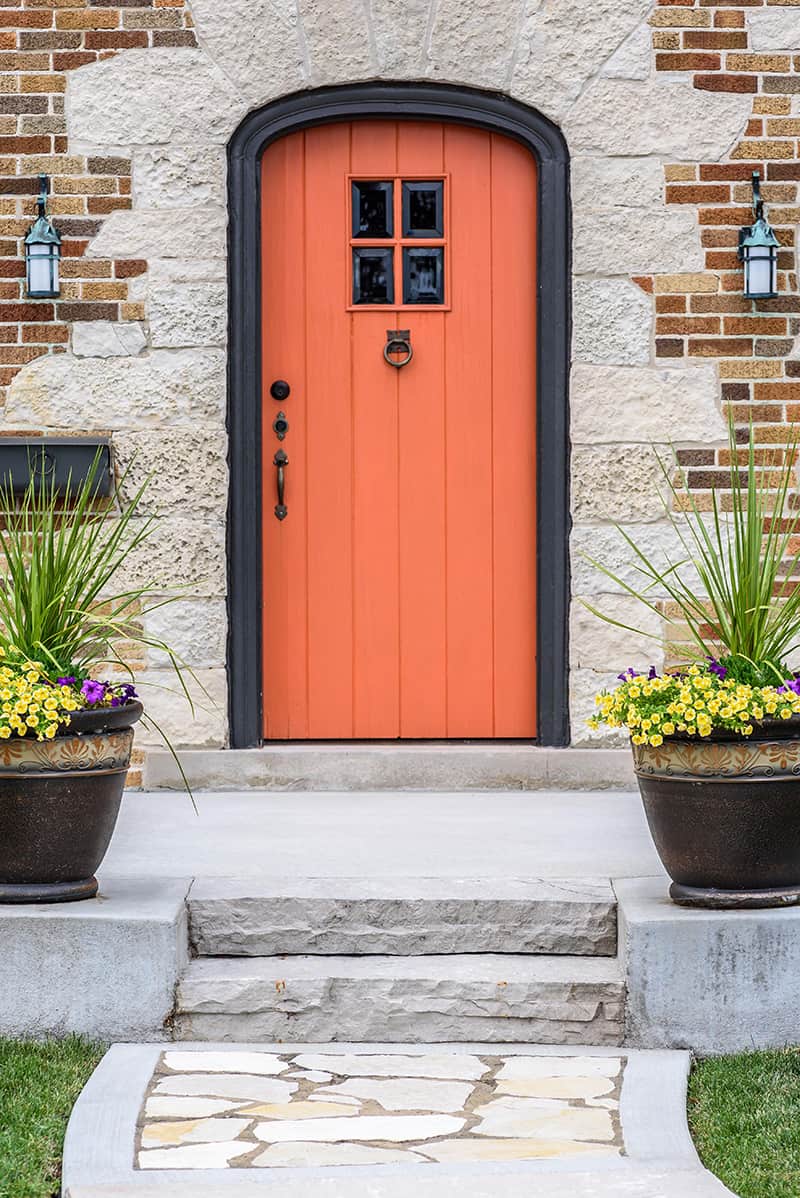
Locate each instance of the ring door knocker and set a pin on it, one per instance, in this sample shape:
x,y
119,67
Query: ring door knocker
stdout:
x,y
398,341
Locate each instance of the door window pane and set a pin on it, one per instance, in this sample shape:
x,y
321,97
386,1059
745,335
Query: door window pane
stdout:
x,y
373,276
423,209
372,209
423,275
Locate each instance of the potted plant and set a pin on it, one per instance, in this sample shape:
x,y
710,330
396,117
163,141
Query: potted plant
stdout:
x,y
716,740
65,734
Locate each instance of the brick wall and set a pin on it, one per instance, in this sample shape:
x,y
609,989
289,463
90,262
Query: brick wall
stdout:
x,y
705,315
40,41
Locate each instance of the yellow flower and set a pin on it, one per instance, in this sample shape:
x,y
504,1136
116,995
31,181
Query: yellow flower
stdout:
x,y
786,713
5,731
50,731
668,728
656,739
638,738
634,692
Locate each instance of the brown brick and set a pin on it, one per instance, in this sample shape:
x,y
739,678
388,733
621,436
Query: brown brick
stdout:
x,y
31,20
12,268
23,104
683,325
42,83
133,311
717,238
103,205
764,148
705,39
680,172
729,20
725,216
722,260
115,41
87,18
698,194
104,291
8,333
664,17
685,282
783,170
793,369
695,457
24,145
754,128
129,268
720,347
85,268
736,392
88,311
85,185
726,83
18,313
688,62
764,326
777,392
42,124
776,63
773,193
773,105
19,355
47,334
768,347
174,37
108,166
20,185
76,227
72,59
48,40
782,84
670,303
666,39
669,348
144,18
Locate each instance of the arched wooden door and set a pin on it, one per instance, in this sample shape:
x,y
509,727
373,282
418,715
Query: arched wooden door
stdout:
x,y
399,562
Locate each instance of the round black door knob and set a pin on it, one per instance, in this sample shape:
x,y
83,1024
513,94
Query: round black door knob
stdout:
x,y
280,390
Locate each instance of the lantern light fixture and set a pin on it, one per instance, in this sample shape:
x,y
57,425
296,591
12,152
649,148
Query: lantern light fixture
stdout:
x,y
758,250
42,252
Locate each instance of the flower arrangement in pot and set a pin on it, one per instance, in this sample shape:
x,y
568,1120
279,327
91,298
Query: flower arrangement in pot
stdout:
x,y
65,733
716,739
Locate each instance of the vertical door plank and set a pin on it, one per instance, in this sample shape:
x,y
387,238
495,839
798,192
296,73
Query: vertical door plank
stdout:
x,y
514,436
376,653
329,454
423,582
284,558
468,357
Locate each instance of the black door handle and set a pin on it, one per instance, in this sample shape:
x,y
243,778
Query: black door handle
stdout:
x,y
281,461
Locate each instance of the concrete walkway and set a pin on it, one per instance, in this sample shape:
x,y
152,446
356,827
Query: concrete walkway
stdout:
x,y
483,834
384,1121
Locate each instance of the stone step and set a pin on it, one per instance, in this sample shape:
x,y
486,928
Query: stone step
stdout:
x,y
486,998
231,917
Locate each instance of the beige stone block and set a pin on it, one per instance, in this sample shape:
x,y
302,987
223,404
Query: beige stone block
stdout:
x,y
306,1154
617,483
257,43
338,41
617,182
185,314
187,469
633,59
682,283
193,1156
195,630
107,339
484,1149
149,97
774,28
611,322
658,115
180,552
161,233
617,404
569,1088
400,32
679,173
659,543
595,644
606,241
151,390
191,1131
523,1117
475,42
562,44
203,727
177,176
583,686
301,1110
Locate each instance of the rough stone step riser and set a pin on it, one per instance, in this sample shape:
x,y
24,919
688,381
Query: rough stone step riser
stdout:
x,y
329,1028
266,927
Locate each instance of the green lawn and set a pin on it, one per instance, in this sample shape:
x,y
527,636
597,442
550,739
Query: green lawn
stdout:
x,y
38,1087
744,1112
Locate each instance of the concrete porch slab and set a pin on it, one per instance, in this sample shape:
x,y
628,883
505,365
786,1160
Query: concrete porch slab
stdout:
x,y
659,1161
424,765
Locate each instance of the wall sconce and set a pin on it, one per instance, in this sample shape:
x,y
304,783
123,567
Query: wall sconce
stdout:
x,y
758,250
42,252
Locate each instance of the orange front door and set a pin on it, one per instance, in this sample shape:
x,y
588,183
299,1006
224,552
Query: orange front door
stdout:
x,y
399,586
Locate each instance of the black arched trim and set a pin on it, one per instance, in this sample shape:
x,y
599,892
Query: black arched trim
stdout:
x,y
437,102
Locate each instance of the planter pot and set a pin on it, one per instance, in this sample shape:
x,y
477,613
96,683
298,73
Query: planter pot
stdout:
x,y
725,816
59,801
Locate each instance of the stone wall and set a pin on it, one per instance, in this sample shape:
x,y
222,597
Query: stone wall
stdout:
x,y
664,107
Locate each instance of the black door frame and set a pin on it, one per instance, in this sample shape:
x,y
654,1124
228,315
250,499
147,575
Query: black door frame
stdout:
x,y
439,102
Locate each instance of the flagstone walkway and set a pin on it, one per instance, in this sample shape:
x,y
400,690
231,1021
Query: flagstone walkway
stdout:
x,y
384,1120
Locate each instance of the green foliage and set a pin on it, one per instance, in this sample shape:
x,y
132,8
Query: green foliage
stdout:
x,y
39,1084
59,556
744,1112
747,605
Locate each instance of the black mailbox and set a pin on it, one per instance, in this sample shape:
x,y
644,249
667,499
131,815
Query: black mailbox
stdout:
x,y
61,460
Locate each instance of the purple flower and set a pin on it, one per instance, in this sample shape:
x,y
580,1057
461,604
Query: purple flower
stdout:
x,y
93,692
791,685
628,674
123,694
68,681
715,667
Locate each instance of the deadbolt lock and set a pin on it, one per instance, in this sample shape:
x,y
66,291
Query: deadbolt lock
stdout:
x,y
280,425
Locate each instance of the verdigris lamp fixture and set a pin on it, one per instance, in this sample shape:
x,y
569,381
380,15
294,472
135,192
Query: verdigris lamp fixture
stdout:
x,y
758,250
42,252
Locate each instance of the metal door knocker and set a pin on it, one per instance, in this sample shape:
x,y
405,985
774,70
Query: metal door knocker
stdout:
x,y
398,341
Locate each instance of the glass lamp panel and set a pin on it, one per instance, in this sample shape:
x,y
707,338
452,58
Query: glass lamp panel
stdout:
x,y
373,214
760,276
423,275
42,270
373,276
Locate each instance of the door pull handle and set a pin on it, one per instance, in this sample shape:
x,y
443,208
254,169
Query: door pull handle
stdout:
x,y
281,462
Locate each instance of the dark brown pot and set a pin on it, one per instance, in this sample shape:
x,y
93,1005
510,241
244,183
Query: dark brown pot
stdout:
x,y
724,813
59,802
